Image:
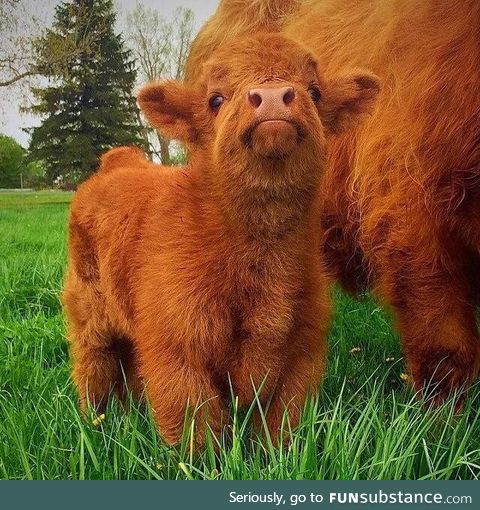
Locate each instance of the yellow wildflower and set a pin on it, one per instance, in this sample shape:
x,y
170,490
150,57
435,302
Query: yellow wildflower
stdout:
x,y
98,420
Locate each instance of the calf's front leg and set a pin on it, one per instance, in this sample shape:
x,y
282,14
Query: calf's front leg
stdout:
x,y
302,373
176,356
176,390
287,368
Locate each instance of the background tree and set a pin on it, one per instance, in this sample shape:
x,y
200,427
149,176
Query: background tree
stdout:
x,y
15,170
161,48
22,26
15,45
88,105
12,161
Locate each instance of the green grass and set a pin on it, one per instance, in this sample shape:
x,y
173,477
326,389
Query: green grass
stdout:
x,y
365,423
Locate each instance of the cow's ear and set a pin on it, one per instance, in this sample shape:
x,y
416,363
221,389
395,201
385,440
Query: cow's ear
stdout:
x,y
347,98
170,107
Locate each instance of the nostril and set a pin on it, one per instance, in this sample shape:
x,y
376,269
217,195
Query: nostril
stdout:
x,y
289,96
255,99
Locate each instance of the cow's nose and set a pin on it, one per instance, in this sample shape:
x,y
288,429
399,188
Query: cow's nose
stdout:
x,y
271,100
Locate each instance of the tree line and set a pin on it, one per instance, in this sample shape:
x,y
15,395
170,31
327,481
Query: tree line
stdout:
x,y
81,73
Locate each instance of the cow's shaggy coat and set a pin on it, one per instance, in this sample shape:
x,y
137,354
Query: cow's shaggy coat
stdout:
x,y
402,208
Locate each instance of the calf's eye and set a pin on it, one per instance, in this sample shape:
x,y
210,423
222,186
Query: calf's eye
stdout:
x,y
215,102
314,93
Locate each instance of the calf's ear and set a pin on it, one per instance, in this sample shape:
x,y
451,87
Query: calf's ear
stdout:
x,y
169,106
349,97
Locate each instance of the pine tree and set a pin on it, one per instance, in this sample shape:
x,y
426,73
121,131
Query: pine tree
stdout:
x,y
87,106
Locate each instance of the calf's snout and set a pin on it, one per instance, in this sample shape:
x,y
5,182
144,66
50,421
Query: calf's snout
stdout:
x,y
271,103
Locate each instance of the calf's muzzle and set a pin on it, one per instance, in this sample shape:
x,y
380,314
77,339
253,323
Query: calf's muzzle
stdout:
x,y
271,103
274,132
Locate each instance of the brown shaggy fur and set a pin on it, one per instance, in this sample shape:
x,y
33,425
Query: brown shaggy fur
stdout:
x,y
402,209
189,281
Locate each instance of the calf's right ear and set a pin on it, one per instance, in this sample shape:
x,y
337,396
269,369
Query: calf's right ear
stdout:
x,y
169,106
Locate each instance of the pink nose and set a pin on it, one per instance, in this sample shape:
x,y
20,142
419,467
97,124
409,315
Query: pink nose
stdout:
x,y
272,102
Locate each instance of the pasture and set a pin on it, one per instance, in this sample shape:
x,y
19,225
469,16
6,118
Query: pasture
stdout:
x,y
365,424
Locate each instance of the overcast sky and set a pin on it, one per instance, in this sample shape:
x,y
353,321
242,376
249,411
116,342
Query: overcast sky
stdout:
x,y
12,121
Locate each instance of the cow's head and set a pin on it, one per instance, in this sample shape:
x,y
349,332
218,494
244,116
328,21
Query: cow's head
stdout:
x,y
260,99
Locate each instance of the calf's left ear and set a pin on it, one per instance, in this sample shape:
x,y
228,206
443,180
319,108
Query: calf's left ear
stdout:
x,y
169,106
347,98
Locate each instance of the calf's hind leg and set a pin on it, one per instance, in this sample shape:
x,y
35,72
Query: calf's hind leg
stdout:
x,y
105,367
96,369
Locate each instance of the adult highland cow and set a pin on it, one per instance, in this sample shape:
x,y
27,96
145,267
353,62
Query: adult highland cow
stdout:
x,y
402,208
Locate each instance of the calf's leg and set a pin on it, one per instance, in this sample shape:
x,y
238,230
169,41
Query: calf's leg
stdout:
x,y
303,370
256,372
96,364
95,370
176,391
176,388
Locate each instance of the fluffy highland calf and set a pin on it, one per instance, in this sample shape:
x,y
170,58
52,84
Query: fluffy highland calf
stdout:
x,y
402,196
192,282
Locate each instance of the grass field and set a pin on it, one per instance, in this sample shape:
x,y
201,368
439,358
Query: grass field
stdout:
x,y
365,423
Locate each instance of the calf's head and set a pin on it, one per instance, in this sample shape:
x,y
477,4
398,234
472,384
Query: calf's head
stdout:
x,y
261,109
